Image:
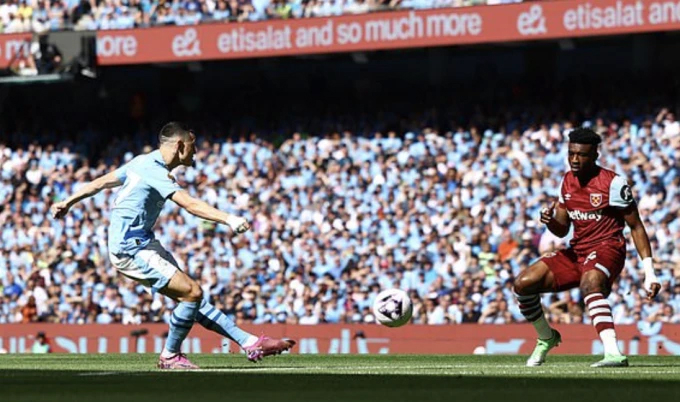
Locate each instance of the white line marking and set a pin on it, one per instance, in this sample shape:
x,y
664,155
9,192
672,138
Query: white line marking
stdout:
x,y
101,373
514,370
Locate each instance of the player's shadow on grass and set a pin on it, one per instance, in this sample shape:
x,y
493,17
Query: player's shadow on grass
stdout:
x,y
251,386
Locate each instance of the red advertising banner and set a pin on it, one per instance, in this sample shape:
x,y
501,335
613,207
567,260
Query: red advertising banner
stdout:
x,y
11,45
344,339
387,30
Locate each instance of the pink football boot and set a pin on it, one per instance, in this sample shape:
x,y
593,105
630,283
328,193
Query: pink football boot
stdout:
x,y
266,346
176,362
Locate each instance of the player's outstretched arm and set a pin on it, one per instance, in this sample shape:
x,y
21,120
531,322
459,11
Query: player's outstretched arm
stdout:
x,y
109,180
644,249
203,210
556,219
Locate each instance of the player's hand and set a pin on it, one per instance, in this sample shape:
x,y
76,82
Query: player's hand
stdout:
x,y
59,209
548,213
652,286
238,224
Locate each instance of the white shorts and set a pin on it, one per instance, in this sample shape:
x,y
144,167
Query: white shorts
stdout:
x,y
153,266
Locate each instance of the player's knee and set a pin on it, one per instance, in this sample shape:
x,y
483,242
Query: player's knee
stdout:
x,y
196,293
191,292
593,284
588,287
523,285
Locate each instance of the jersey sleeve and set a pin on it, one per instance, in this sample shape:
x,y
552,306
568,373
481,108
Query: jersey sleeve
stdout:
x,y
560,196
161,181
121,173
620,193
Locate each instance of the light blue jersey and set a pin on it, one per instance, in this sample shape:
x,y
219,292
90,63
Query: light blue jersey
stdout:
x,y
146,185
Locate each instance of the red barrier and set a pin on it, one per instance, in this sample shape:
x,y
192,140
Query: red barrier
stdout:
x,y
11,45
387,30
333,339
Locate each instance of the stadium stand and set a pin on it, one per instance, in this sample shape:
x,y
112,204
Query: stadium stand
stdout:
x,y
41,15
334,220
358,178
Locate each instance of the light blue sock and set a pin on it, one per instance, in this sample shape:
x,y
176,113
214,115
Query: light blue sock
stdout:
x,y
211,318
181,321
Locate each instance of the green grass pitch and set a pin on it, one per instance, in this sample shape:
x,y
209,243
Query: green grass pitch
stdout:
x,y
231,378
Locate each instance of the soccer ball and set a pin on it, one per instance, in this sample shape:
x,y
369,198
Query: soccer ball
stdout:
x,y
392,308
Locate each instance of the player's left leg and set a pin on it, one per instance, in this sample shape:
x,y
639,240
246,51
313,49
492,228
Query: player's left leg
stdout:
x,y
595,286
188,294
155,268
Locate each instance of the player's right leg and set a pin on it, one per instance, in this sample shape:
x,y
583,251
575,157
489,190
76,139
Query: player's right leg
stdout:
x,y
554,272
255,347
601,268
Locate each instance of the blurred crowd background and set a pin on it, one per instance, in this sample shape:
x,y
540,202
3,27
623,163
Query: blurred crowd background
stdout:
x,y
49,15
449,216
422,169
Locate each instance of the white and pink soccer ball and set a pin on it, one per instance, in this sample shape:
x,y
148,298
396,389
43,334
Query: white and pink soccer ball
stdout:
x,y
392,308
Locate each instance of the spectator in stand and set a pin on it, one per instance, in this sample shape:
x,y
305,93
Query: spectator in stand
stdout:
x,y
279,9
335,219
222,11
671,127
39,15
29,311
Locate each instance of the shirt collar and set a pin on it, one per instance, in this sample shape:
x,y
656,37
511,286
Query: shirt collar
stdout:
x,y
158,158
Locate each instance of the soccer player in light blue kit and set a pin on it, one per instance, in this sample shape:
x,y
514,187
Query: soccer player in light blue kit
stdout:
x,y
135,252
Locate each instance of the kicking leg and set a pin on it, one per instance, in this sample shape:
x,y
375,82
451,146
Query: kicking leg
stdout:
x,y
212,319
594,287
256,348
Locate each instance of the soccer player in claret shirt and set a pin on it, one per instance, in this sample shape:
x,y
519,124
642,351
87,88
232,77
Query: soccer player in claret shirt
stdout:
x,y
597,202
135,253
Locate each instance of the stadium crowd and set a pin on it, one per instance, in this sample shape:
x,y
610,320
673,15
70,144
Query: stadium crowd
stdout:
x,y
451,217
45,15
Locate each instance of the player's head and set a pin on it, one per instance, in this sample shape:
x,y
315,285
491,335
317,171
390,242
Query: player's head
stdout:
x,y
583,143
179,141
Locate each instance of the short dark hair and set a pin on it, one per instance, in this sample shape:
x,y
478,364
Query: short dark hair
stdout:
x,y
172,130
585,135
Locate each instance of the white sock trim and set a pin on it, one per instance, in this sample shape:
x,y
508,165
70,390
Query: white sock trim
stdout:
x,y
590,296
601,319
250,342
598,303
599,310
166,354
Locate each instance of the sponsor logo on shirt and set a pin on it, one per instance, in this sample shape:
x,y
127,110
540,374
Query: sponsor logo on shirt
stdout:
x,y
577,215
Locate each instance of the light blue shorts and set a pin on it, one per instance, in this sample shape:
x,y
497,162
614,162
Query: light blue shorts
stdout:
x,y
153,266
